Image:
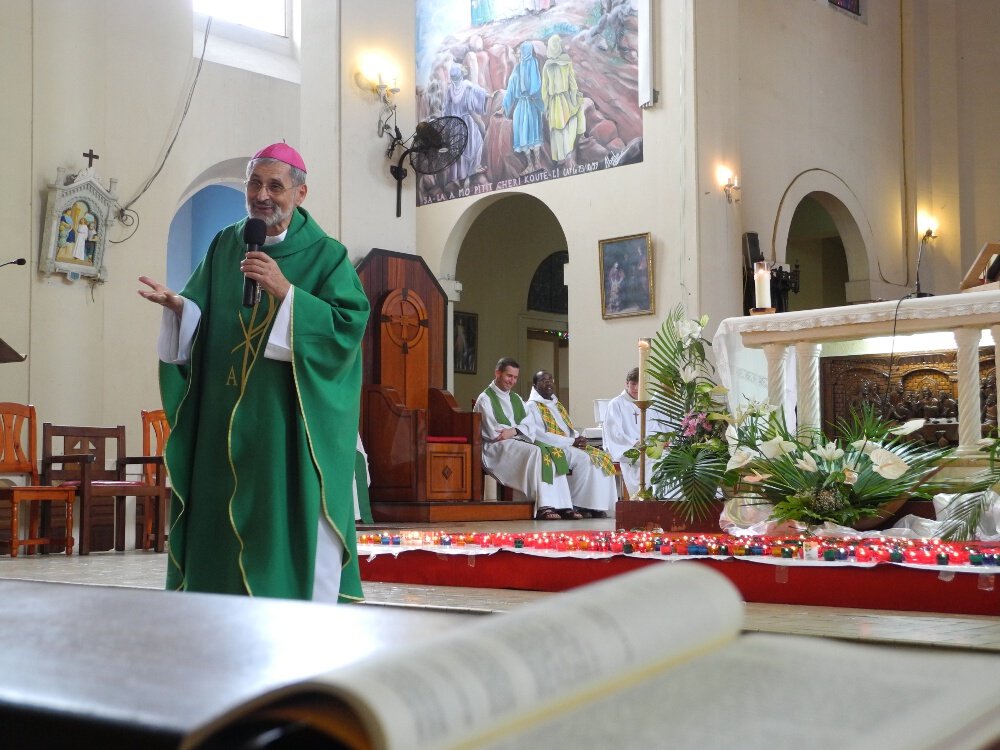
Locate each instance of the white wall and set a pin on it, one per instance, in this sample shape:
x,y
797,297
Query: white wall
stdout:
x,y
119,88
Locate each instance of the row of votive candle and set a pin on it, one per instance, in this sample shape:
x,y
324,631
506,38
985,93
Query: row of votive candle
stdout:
x,y
874,550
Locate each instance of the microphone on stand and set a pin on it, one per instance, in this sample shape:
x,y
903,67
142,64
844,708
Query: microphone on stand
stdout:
x,y
254,233
14,262
928,235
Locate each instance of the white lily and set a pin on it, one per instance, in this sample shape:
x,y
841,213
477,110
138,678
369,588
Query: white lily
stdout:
x,y
687,329
908,427
807,463
850,476
887,464
776,446
741,457
688,373
829,452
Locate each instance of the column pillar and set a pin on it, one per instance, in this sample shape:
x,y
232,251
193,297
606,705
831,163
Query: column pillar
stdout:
x,y
807,384
969,407
775,354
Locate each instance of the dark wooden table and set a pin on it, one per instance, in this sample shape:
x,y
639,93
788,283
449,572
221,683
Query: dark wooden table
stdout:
x,y
97,666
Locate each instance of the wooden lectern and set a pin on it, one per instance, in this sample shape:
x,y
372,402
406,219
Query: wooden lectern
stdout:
x,y
7,354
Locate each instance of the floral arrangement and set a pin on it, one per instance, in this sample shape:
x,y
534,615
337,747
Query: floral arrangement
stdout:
x,y
687,417
848,480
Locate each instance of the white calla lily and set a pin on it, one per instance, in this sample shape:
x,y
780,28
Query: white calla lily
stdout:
x,y
887,464
740,458
865,446
908,427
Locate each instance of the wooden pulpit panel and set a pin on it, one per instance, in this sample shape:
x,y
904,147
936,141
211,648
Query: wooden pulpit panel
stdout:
x,y
404,346
383,272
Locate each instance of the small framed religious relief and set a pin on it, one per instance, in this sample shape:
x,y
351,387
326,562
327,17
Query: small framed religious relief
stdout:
x,y
466,335
75,235
626,266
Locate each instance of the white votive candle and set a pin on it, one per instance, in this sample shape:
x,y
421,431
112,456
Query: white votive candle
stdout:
x,y
762,284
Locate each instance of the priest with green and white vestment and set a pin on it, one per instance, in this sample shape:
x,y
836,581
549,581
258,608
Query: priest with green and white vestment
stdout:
x,y
263,403
591,477
512,451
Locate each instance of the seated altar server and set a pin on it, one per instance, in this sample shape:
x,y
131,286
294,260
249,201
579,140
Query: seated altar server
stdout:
x,y
592,472
621,431
512,451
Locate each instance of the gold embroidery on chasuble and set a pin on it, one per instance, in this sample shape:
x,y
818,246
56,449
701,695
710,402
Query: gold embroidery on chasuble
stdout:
x,y
254,338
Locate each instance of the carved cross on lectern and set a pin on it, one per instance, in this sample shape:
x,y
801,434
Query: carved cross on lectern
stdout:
x,y
90,156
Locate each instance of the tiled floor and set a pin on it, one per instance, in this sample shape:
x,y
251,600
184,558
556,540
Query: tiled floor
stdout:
x,y
148,569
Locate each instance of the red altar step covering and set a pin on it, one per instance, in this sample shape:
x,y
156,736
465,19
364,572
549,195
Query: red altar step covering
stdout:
x,y
952,589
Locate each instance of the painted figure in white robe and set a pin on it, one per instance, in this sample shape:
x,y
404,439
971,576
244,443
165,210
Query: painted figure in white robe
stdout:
x,y
80,242
465,99
621,431
592,474
509,431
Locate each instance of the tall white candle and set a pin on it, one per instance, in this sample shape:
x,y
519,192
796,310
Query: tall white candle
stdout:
x,y
762,284
643,363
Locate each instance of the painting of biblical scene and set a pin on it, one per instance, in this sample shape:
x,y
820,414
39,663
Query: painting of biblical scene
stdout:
x,y
626,265
78,235
466,333
548,89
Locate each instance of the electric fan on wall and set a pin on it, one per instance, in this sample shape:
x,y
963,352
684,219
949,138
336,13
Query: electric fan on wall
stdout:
x,y
436,144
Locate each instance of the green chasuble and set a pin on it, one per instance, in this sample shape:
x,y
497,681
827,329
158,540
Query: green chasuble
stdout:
x,y
260,449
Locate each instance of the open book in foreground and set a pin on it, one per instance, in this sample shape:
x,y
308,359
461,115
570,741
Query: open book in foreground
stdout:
x,y
650,659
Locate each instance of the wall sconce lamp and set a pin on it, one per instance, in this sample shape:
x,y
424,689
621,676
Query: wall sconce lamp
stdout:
x,y
728,182
928,226
374,70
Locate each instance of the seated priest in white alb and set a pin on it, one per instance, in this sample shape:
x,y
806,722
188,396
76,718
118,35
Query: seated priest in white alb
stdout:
x,y
592,472
621,431
512,451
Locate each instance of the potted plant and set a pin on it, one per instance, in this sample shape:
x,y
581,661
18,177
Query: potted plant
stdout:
x,y
687,439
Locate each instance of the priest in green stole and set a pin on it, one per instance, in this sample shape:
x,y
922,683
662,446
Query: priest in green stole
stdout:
x,y
592,472
512,451
263,403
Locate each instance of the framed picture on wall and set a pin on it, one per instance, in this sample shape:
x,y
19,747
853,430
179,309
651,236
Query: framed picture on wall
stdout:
x,y
466,340
626,266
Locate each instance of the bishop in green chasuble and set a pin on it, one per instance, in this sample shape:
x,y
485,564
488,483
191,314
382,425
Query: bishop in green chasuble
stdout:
x,y
261,450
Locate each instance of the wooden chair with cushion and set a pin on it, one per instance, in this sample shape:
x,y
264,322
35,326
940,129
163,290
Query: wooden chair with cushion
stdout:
x,y
18,455
101,490
151,514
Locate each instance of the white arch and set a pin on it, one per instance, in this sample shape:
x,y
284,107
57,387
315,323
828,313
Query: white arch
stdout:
x,y
849,217
230,173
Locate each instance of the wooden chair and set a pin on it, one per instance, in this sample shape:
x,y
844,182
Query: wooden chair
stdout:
x,y
420,454
102,490
151,514
19,456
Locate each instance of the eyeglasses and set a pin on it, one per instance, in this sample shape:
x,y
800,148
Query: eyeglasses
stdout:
x,y
274,187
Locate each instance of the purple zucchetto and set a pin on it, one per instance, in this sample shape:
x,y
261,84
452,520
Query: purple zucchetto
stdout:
x,y
281,152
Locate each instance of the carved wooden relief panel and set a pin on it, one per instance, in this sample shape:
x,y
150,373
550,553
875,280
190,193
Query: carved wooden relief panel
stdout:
x,y
910,386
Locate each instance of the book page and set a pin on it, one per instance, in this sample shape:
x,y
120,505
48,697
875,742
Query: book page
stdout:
x,y
774,691
520,668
